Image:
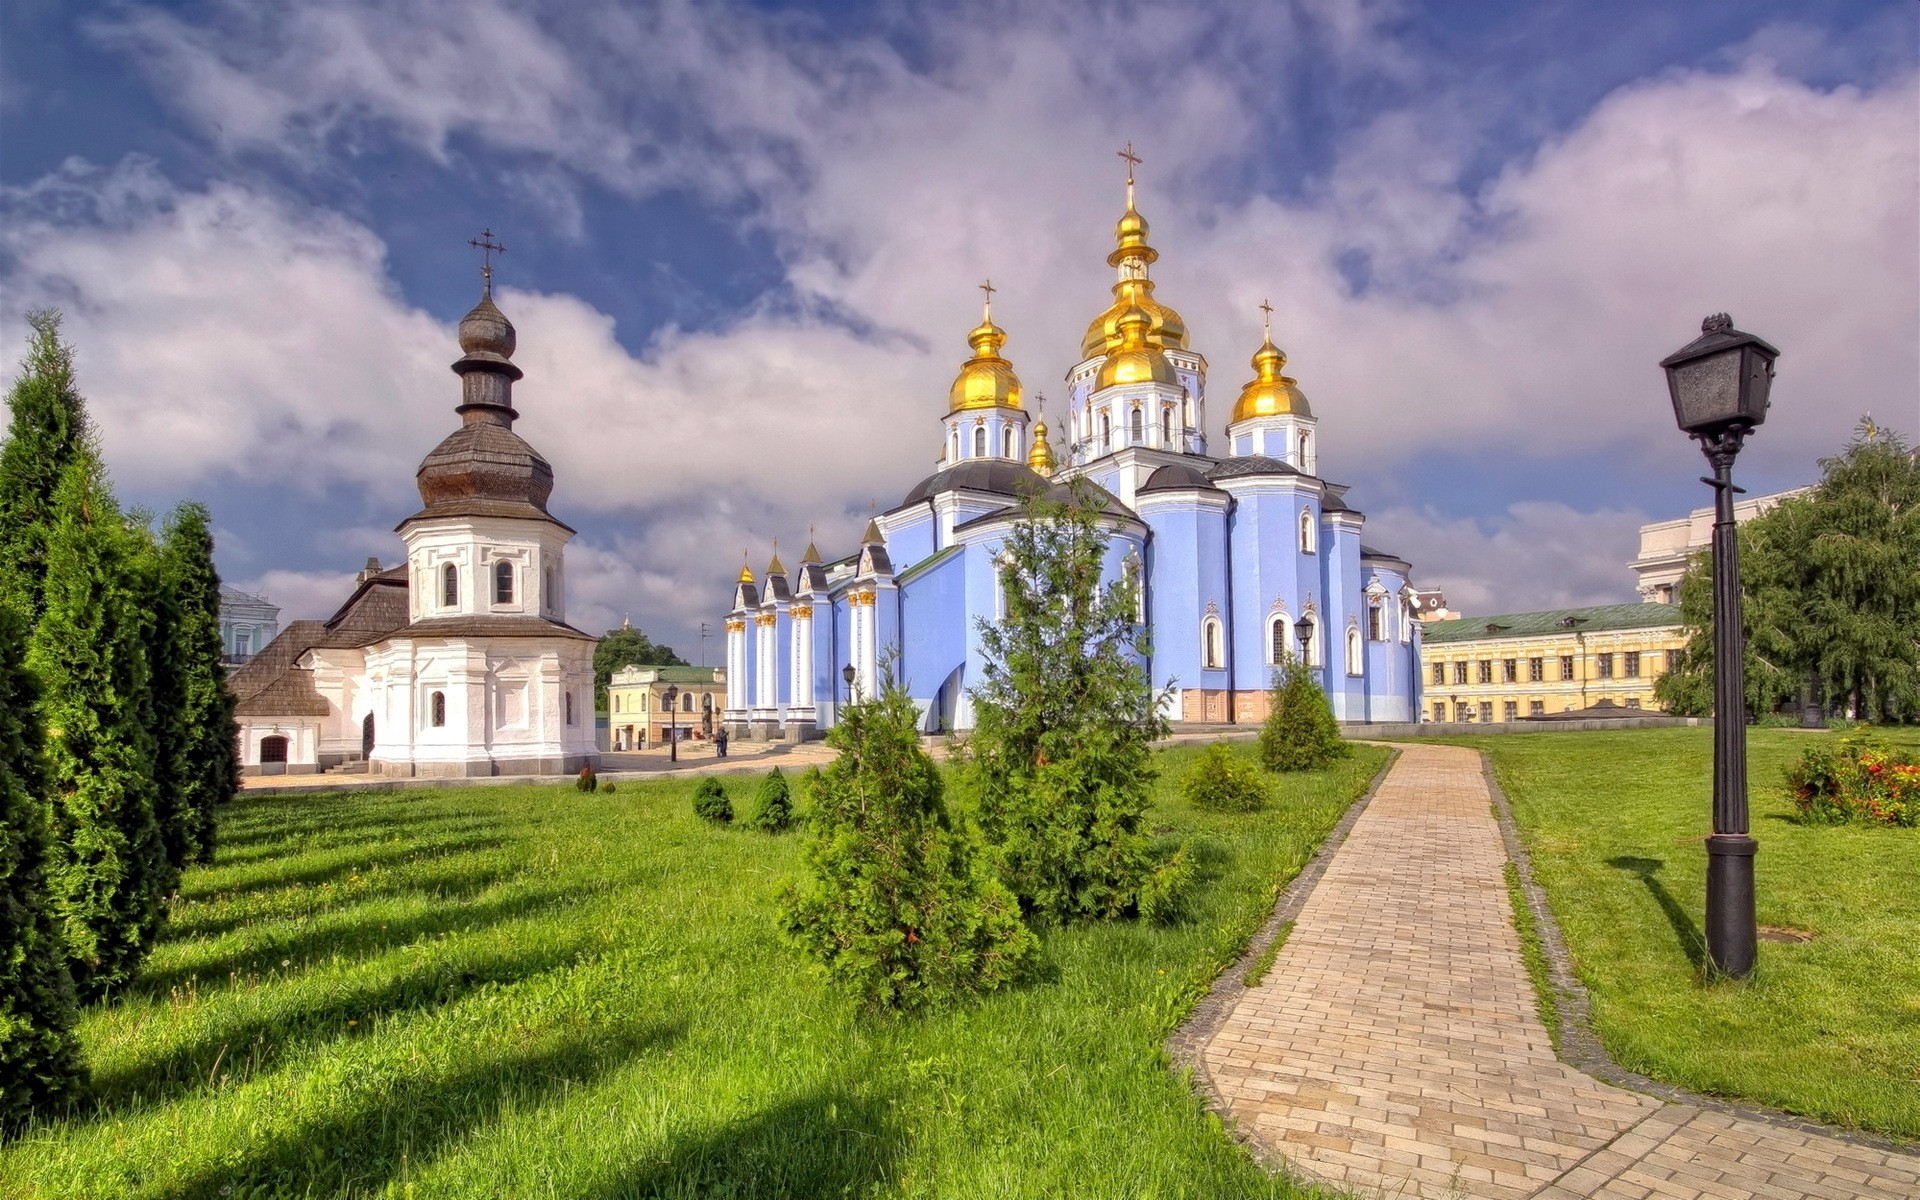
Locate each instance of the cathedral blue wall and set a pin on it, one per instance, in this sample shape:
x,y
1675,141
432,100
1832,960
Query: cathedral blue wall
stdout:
x,y
932,604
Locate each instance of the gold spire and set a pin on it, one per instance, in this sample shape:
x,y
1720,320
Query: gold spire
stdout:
x,y
1136,359
811,556
1040,451
986,380
776,567
1132,255
746,572
1269,393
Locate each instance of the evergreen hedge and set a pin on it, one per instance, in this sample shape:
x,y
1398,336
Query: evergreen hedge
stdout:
x,y
1299,733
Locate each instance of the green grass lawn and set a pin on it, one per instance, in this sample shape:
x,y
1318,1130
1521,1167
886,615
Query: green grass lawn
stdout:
x,y
531,992
1829,1028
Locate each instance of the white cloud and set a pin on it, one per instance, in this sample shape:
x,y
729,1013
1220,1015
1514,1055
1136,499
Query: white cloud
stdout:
x,y
230,330
1536,555
301,595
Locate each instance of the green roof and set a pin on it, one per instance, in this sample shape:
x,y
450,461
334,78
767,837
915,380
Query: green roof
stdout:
x,y
1560,620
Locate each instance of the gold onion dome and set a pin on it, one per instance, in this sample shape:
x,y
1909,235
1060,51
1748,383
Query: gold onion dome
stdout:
x,y
1040,454
986,380
1269,393
1136,359
1134,290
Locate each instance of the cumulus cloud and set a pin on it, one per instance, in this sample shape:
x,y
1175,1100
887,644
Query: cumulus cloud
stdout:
x,y
1533,556
1518,317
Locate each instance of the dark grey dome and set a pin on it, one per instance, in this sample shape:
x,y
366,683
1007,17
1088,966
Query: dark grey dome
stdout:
x,y
999,476
1252,464
1177,476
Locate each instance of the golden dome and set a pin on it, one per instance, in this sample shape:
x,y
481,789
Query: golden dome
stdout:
x,y
1270,394
1040,454
746,572
1136,359
986,380
1168,327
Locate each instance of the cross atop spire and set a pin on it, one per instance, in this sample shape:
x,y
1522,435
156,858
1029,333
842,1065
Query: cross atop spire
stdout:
x,y
487,248
1133,160
1266,319
986,311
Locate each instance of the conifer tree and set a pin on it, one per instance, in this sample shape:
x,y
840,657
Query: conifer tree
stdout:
x,y
39,1054
199,762
46,429
1060,758
107,872
897,907
1299,733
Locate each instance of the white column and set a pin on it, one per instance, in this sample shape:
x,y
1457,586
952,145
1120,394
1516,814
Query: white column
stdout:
x,y
736,663
801,692
869,647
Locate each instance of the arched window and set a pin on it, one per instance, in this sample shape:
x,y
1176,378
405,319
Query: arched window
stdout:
x,y
1166,426
1306,445
1138,425
1279,639
503,583
449,586
953,445
569,708
1307,532
1406,620
1376,620
1211,649
273,749
1356,652
437,709
1006,442
1106,432
979,441
1186,411
686,701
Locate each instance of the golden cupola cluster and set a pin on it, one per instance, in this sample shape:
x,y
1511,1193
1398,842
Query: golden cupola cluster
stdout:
x,y
986,380
1270,393
1132,255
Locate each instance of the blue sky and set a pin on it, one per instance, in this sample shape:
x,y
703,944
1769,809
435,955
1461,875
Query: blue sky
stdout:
x,y
744,240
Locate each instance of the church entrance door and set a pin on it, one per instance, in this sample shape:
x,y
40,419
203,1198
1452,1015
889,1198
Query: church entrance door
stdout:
x,y
273,750
366,737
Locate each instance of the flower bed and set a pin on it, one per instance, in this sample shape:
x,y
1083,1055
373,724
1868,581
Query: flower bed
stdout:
x,y
1855,781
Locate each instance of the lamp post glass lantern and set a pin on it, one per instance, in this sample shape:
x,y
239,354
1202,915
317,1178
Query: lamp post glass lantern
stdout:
x,y
1719,384
847,674
1303,629
673,741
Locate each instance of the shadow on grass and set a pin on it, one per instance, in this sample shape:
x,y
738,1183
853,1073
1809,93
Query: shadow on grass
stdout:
x,y
384,1131
338,864
242,1049
1684,928
309,837
351,938
825,1145
455,880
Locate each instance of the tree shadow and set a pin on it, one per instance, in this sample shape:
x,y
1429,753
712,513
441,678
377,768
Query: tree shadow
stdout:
x,y
244,1049
384,1132
1692,943
356,939
344,862
456,880
827,1144
311,837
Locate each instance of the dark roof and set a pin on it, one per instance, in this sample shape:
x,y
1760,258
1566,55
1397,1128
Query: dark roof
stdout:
x,y
1600,710
1000,476
484,469
1060,491
1367,551
1251,464
777,588
811,577
1598,618
1176,477
269,685
879,561
376,608
492,627
675,674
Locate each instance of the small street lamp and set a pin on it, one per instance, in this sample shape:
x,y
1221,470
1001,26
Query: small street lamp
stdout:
x,y
1719,384
673,741
846,675
1303,629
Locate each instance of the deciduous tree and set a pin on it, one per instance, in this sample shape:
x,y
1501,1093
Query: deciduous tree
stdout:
x,y
627,647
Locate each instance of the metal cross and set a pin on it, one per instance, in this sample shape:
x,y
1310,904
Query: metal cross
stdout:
x,y
487,248
1266,319
1133,160
989,289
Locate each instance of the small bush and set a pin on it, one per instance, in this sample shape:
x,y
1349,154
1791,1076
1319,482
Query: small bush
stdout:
x,y
607,786
1220,782
1300,733
774,810
1165,894
1855,782
586,781
710,802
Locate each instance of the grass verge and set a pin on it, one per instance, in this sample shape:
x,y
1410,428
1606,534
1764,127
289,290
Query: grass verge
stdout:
x,y
1534,955
1830,1027
534,991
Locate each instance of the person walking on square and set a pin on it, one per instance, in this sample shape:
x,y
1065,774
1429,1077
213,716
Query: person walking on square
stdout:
x,y
720,744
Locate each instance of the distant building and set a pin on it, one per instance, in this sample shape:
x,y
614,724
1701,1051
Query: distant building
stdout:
x,y
1430,605
1537,664
637,716
1666,547
247,623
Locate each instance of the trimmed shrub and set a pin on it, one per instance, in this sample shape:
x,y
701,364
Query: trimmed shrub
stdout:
x,y
606,785
773,811
1300,733
587,781
1220,782
710,802
1855,781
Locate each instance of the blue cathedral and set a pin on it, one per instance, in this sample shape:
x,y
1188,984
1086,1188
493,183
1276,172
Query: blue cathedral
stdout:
x,y
1242,559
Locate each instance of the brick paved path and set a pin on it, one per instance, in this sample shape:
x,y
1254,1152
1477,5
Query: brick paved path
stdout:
x,y
1394,1047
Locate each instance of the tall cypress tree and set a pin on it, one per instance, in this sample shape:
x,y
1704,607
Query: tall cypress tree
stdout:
x,y
108,872
39,1055
191,688
47,428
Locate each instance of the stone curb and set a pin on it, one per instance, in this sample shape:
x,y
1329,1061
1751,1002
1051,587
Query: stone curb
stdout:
x,y
1187,1044
1580,1047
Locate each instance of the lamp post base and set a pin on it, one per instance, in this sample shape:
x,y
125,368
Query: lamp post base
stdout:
x,y
1730,920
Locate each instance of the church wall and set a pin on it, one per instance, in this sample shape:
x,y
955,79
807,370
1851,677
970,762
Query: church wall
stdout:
x,y
473,545
506,711
933,608
303,739
1341,546
1186,567
912,535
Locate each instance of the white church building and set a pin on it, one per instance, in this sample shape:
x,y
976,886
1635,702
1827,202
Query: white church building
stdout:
x,y
459,662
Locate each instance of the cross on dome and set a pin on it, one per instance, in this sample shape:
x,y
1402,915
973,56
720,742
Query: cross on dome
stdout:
x,y
1266,319
986,310
487,248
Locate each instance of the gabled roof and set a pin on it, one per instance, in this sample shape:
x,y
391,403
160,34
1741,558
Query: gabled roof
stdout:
x,y
1595,619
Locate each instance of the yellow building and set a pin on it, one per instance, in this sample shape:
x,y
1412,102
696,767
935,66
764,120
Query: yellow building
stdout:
x,y
1505,668
637,716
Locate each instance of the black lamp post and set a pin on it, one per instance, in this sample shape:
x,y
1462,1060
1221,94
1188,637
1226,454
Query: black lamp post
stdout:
x,y
846,676
673,742
1719,384
1303,629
